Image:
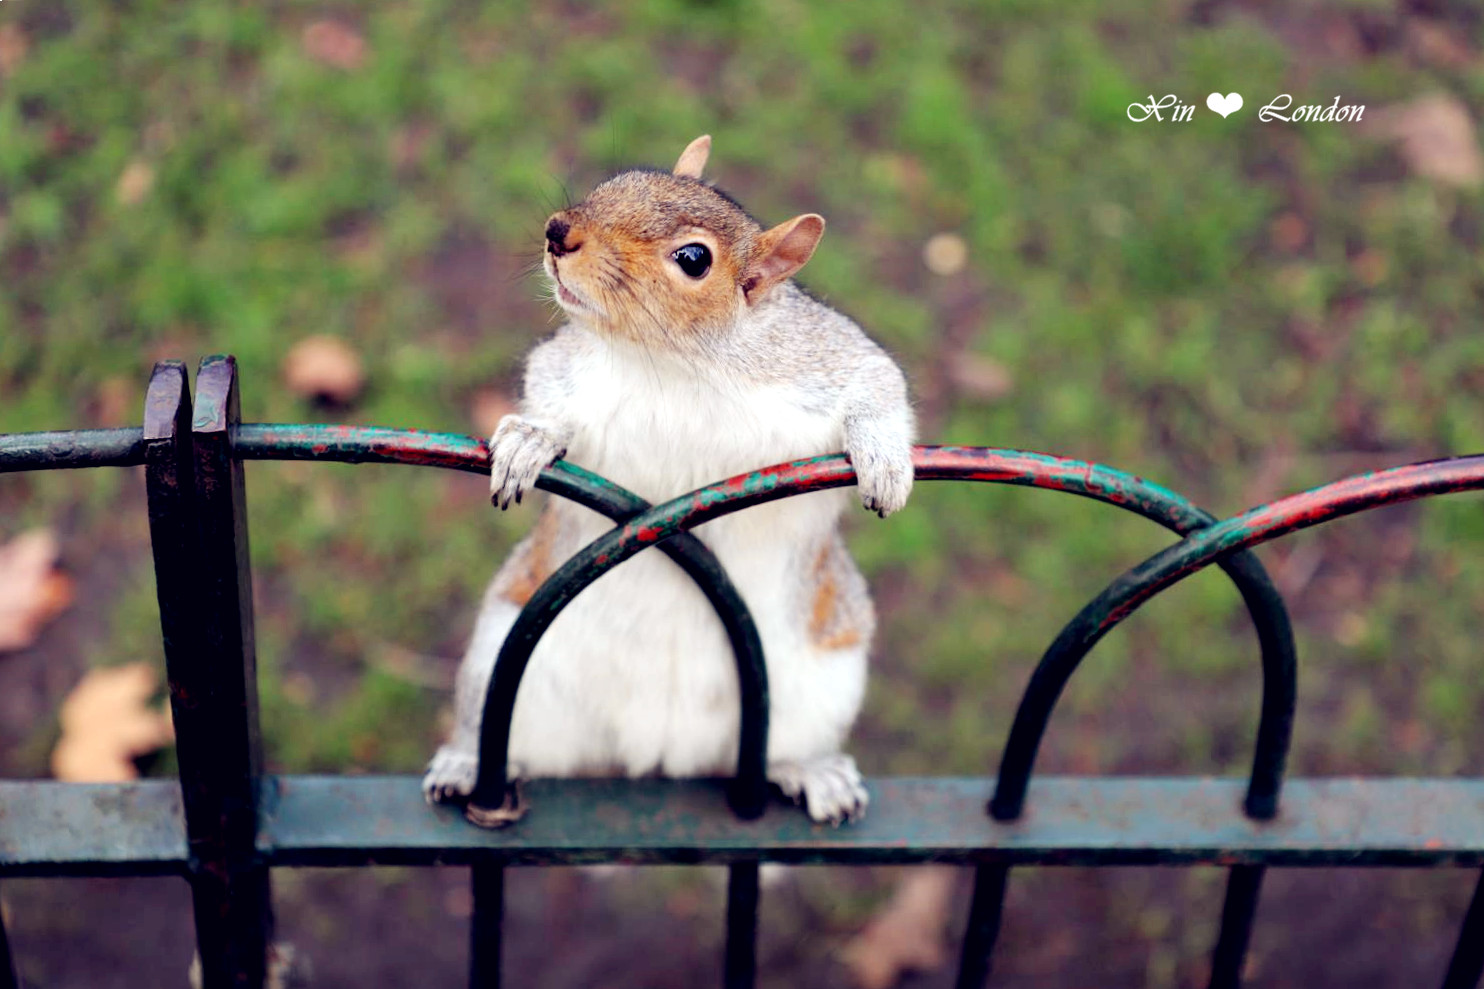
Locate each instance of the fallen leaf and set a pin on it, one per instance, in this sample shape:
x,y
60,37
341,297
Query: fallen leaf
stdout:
x,y
983,378
107,722
13,48
135,182
324,369
32,591
945,254
907,935
335,44
1436,138
489,406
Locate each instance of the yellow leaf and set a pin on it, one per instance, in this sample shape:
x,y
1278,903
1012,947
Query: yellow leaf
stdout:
x,y
107,722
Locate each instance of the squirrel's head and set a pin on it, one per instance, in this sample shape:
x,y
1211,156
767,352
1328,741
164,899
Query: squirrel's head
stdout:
x,y
657,256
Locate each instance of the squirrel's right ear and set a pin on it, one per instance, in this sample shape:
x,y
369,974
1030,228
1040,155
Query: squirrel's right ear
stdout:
x,y
693,159
781,252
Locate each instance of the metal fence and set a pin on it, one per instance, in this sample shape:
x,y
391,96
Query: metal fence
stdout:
x,y
226,824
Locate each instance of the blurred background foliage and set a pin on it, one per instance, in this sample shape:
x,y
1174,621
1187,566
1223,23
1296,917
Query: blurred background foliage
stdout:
x,y
1232,308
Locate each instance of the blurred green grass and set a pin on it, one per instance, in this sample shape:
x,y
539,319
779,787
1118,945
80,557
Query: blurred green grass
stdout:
x,y
1234,309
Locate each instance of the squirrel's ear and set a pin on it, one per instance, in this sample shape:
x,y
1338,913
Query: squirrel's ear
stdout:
x,y
781,252
693,159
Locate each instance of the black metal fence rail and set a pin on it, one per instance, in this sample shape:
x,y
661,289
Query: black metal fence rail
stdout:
x,y
226,825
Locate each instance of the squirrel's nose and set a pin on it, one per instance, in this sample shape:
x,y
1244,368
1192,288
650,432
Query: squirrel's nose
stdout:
x,y
556,237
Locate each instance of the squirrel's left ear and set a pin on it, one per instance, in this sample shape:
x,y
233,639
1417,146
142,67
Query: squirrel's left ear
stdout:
x,y
693,159
781,252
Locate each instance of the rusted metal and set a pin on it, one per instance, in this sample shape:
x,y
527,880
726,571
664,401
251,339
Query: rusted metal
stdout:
x,y
214,697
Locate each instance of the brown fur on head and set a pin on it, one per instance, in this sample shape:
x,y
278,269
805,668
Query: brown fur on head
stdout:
x,y
624,260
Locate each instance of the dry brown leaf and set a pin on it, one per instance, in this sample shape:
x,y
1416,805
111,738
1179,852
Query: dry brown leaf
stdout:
x,y
489,406
979,377
334,43
1436,137
32,591
324,369
137,179
907,935
945,254
107,721
13,48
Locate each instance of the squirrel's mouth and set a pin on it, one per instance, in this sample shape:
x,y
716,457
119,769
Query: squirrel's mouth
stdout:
x,y
571,299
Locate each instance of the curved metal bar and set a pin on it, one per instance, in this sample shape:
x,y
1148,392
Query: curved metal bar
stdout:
x,y
358,444
933,463
71,449
1167,567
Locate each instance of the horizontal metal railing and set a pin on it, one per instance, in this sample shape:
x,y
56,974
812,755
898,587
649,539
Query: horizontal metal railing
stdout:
x,y
225,825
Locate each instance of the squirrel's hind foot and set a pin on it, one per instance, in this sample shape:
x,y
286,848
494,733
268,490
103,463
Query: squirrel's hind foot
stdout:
x,y
829,787
451,775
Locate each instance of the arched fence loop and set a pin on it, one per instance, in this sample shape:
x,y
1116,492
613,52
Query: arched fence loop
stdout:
x,y
679,515
371,444
1215,543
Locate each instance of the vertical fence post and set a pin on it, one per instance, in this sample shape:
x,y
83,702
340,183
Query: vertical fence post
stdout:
x,y
486,927
1467,964
9,978
198,529
741,950
983,930
1237,912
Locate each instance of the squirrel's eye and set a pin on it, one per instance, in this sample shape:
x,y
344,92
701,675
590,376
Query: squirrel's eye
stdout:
x,y
694,260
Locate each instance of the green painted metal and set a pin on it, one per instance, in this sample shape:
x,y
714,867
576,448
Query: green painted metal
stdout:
x,y
71,449
91,829
678,516
52,828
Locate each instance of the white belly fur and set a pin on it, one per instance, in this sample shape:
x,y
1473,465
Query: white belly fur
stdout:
x,y
636,675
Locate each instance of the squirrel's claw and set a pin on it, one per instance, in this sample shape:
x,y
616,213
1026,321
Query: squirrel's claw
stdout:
x,y
519,451
883,479
829,787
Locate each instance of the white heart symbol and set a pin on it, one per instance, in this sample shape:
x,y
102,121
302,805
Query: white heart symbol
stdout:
x,y
1225,105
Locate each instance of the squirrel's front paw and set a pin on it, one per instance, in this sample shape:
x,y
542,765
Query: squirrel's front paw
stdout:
x,y
829,787
884,478
519,451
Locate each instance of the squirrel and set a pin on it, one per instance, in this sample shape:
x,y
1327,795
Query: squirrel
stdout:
x,y
689,356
